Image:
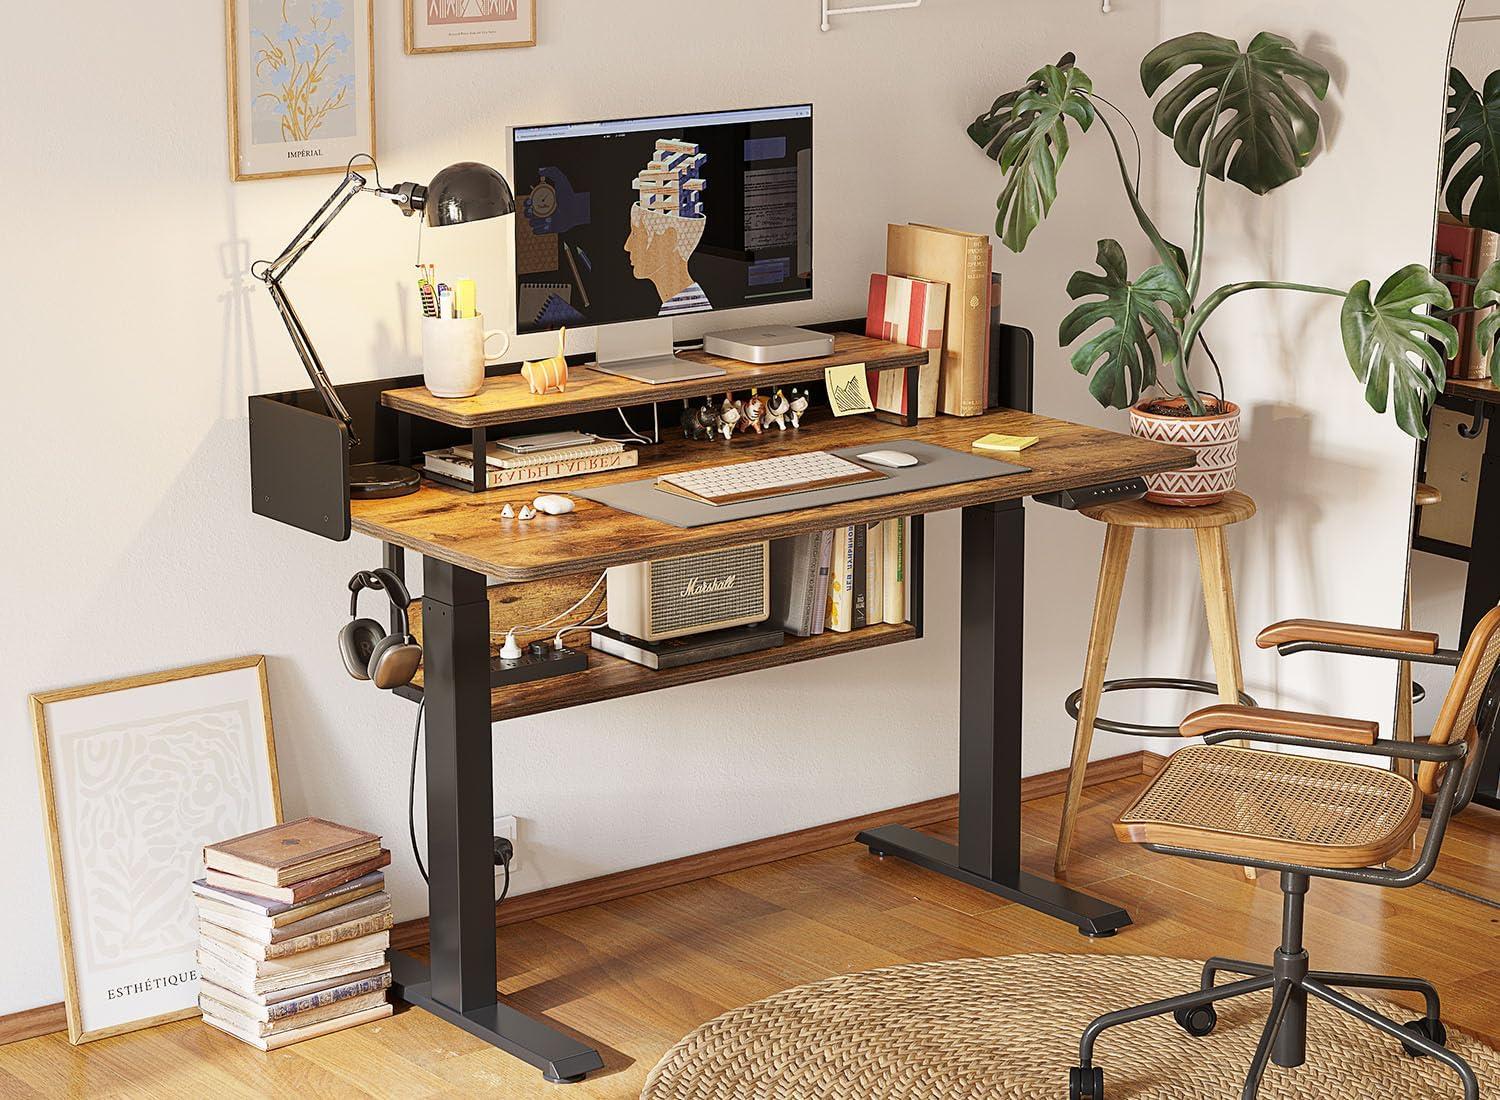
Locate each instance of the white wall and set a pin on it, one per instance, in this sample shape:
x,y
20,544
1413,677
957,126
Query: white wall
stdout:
x,y
1332,480
131,320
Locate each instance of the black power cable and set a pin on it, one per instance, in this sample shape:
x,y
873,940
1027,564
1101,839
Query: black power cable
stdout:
x,y
504,851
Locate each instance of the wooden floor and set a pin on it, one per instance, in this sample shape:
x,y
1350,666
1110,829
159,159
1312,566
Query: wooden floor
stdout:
x,y
635,975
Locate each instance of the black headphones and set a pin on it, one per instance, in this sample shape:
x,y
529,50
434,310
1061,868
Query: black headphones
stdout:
x,y
369,651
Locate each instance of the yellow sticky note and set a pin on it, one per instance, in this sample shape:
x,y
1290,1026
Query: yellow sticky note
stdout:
x,y
848,389
997,442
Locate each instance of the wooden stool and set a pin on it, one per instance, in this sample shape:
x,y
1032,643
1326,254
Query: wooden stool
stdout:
x,y
1207,524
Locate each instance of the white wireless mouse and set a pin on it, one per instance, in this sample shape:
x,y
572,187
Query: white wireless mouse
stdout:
x,y
552,504
896,460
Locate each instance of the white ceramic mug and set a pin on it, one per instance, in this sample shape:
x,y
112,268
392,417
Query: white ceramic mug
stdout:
x,y
453,355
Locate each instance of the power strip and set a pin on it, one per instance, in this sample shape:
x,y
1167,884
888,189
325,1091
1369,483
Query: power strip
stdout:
x,y
538,661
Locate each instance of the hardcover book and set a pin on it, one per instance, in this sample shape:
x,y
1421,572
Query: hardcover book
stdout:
x,y
292,851
895,535
226,960
251,1025
297,892
910,311
456,464
278,949
289,1002
962,260
296,1035
276,913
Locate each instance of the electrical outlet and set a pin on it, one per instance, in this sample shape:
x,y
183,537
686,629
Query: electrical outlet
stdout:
x,y
506,827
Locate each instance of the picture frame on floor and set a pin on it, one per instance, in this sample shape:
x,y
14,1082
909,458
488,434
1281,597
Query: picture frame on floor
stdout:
x,y
452,26
301,85
137,775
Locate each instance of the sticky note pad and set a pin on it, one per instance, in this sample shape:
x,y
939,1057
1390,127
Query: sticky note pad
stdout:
x,y
848,389
997,442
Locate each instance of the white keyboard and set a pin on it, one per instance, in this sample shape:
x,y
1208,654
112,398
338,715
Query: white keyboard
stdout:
x,y
766,477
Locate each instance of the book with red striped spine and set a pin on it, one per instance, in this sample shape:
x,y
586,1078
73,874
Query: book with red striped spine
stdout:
x,y
910,311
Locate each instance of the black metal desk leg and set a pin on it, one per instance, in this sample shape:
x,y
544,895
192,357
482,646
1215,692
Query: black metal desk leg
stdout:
x,y
1482,588
988,852
460,985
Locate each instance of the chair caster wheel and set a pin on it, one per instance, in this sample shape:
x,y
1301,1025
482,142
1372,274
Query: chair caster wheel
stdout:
x,y
1428,1029
1086,1084
1198,1021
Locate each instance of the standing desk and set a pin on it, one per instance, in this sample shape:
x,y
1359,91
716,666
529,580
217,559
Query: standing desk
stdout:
x,y
1482,585
463,541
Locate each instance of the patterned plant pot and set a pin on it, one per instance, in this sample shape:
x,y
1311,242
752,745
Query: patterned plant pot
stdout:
x,y
1214,439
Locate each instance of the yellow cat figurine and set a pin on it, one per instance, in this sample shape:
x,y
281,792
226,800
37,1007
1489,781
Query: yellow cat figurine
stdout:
x,y
543,375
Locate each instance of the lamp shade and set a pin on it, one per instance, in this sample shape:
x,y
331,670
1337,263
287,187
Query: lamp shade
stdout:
x,y
467,192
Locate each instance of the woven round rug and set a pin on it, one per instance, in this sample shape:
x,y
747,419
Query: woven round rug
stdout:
x,y
1008,1028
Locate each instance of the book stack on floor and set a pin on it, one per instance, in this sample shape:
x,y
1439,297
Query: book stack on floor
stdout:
x,y
293,926
841,580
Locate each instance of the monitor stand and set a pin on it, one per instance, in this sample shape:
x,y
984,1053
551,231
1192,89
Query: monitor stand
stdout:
x,y
642,351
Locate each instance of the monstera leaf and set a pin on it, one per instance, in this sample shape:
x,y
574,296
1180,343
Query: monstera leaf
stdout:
x,y
1122,352
1487,293
1472,122
1241,110
1389,344
1027,132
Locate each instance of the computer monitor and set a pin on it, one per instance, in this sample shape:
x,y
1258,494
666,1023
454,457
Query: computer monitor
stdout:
x,y
655,218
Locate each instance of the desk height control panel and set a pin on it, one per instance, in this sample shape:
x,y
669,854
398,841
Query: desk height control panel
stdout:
x,y
1089,496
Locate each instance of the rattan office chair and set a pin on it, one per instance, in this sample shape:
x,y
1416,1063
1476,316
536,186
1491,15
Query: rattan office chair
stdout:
x,y
1312,818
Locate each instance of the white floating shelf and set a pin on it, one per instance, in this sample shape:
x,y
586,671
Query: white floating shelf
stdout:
x,y
895,5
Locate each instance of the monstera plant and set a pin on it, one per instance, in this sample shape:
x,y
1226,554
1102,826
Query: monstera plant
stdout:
x,y
1248,116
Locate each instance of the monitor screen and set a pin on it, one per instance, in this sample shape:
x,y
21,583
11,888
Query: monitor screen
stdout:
x,y
658,217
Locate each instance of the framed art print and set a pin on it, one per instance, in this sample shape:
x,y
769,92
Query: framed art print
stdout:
x,y
444,26
137,776
301,85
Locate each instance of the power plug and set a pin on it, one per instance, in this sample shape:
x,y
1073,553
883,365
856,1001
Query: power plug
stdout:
x,y
504,850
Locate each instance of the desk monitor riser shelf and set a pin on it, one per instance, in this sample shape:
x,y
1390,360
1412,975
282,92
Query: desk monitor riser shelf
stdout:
x,y
462,541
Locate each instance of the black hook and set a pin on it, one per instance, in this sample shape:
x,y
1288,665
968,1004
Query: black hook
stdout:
x,y
1472,429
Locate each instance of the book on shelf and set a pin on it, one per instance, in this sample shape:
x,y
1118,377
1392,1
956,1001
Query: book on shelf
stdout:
x,y
895,535
290,1002
841,581
297,891
820,601
457,463
292,851
963,261
311,959
875,573
689,649
794,582
859,594
312,1031
907,310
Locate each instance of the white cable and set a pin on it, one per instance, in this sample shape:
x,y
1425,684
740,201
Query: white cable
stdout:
x,y
587,624
639,438
513,631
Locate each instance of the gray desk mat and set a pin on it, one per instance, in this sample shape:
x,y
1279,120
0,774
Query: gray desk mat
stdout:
x,y
935,466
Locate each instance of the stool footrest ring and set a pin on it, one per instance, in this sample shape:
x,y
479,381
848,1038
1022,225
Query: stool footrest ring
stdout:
x,y
1137,683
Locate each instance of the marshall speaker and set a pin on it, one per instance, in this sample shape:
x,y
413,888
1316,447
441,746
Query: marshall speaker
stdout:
x,y
689,595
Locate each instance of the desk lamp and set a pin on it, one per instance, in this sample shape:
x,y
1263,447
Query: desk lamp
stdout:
x,y
463,192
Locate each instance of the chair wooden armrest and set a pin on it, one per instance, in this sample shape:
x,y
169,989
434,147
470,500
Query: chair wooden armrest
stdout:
x,y
1317,727
1347,634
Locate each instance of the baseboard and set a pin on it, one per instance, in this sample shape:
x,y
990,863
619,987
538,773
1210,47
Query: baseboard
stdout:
x,y
33,1022
673,872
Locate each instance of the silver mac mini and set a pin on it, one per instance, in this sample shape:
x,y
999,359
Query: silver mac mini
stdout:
x,y
769,344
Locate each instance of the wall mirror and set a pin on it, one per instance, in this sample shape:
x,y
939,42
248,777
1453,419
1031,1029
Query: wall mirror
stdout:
x,y
1453,577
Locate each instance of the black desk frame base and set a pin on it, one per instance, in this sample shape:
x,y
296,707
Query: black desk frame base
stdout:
x,y
988,852
459,986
